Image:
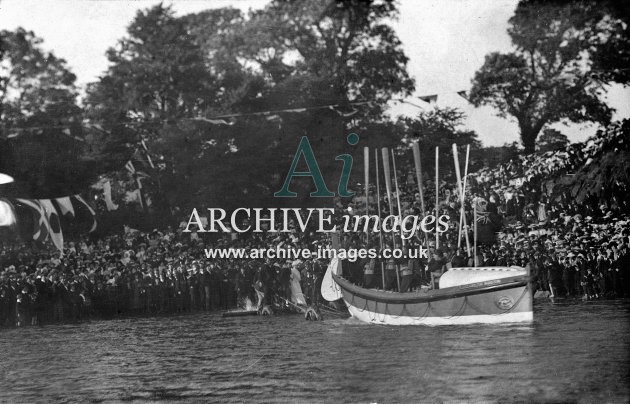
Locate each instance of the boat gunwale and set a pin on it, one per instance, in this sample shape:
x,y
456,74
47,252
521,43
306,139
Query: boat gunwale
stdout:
x,y
471,289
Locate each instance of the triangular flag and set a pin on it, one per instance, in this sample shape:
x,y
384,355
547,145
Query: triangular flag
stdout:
x,y
7,213
129,166
89,208
107,193
53,221
40,224
347,114
431,99
343,114
65,205
150,161
5,179
144,146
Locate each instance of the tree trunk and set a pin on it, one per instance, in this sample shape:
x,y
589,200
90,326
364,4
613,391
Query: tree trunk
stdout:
x,y
528,137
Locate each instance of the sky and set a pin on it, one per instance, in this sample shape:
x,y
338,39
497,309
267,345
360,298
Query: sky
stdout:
x,y
445,40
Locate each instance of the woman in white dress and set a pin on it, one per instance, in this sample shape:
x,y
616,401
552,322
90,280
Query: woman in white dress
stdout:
x,y
297,296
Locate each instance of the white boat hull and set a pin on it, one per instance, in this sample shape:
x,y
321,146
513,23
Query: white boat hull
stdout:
x,y
506,298
380,318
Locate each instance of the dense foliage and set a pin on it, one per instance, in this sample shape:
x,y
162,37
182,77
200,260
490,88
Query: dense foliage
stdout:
x,y
565,53
181,98
41,143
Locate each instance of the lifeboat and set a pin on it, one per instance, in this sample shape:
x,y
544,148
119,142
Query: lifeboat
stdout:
x,y
475,295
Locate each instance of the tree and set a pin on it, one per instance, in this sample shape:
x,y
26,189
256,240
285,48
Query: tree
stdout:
x,y
272,61
339,50
159,81
549,76
41,144
604,30
441,128
493,156
156,73
318,53
36,87
551,140
605,173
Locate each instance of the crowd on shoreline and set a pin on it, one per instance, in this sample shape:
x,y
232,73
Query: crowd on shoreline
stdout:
x,y
575,249
136,273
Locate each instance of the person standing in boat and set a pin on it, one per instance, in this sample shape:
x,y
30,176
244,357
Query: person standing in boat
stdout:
x,y
405,275
390,274
501,257
415,268
369,267
435,267
458,259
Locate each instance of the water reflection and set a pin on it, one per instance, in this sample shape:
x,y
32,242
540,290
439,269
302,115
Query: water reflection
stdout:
x,y
575,351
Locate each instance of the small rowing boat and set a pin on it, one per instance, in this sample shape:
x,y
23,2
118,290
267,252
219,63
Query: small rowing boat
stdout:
x,y
239,313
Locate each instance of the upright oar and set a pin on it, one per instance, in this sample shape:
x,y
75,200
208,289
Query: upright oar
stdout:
x,y
437,196
378,206
415,147
418,163
475,231
402,240
366,169
461,190
388,185
464,188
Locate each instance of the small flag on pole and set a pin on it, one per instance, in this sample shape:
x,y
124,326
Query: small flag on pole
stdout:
x,y
430,99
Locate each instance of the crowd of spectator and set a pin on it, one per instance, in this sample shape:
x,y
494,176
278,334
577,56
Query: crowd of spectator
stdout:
x,y
137,273
575,249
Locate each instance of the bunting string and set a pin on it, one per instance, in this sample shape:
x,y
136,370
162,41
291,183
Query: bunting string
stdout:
x,y
216,119
46,215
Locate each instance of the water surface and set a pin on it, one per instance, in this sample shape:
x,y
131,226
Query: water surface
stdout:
x,y
575,351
